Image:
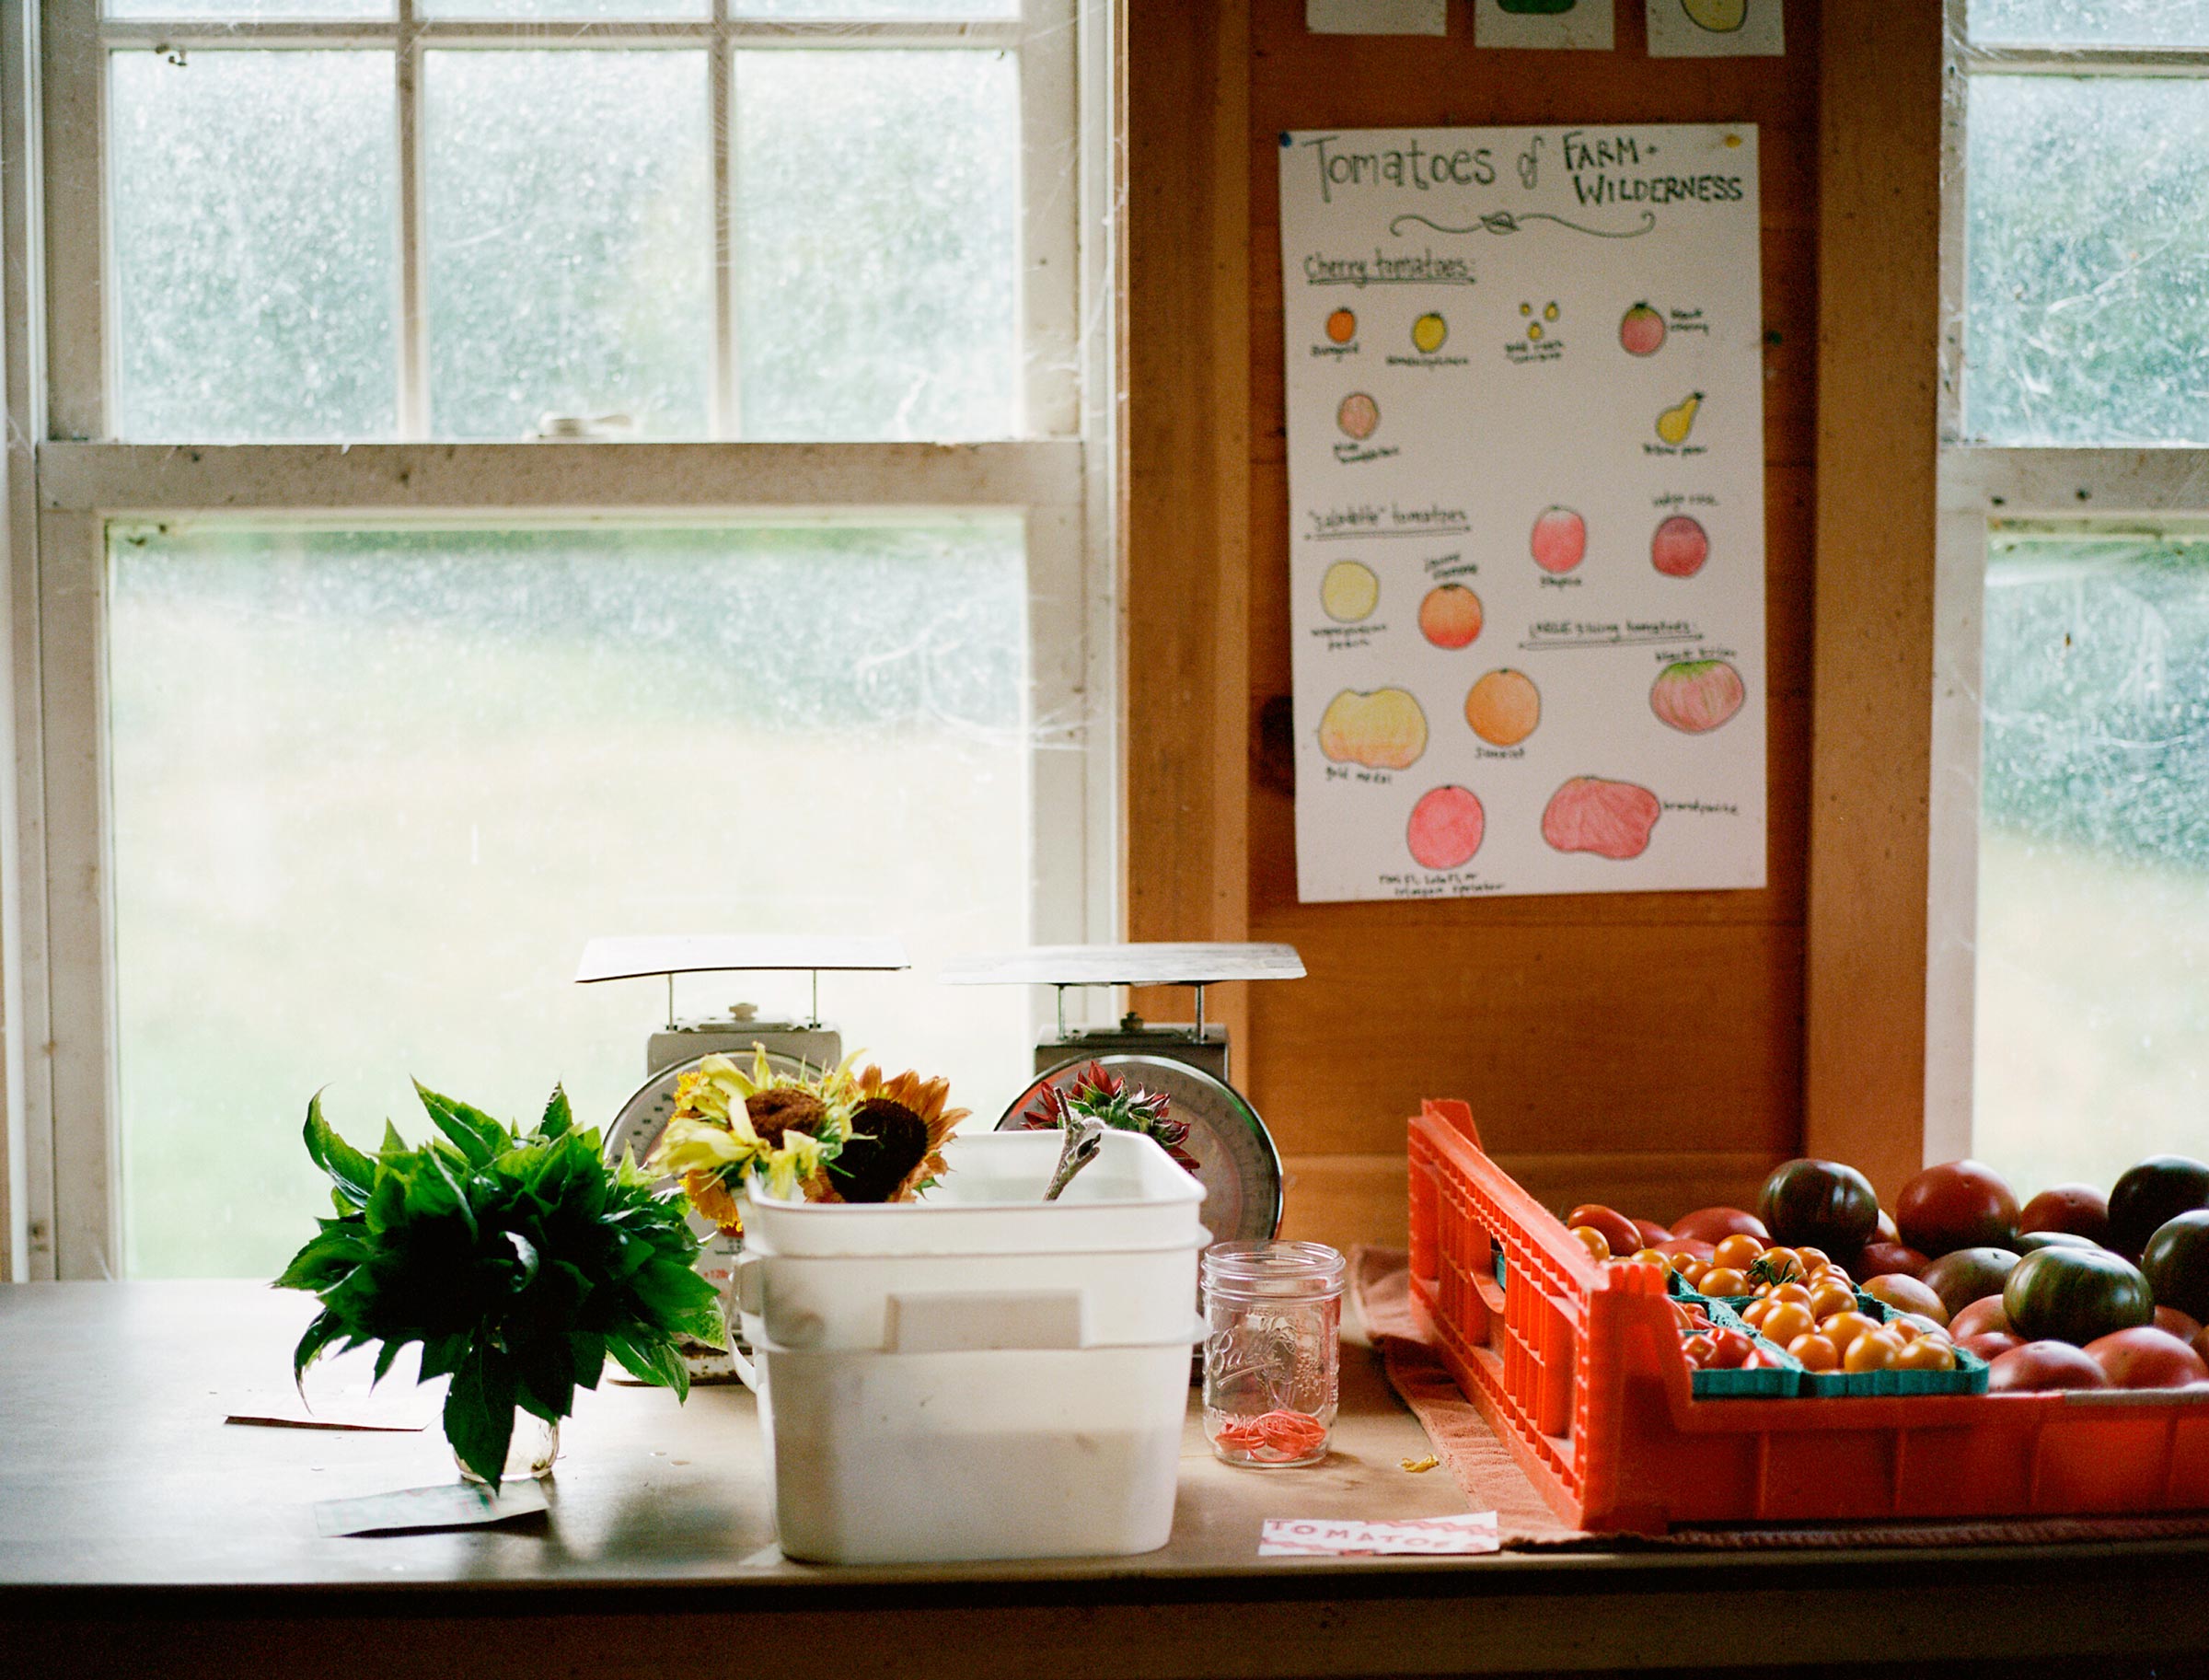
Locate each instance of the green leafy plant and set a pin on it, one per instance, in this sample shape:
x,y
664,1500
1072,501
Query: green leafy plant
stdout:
x,y
518,1261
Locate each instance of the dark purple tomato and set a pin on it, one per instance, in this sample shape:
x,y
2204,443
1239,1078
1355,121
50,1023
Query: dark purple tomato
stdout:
x,y
2032,1242
2151,1194
1968,1275
2177,1263
1825,1203
2074,1295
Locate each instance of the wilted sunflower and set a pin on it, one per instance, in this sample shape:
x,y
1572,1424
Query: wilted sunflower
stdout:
x,y
893,1150
729,1124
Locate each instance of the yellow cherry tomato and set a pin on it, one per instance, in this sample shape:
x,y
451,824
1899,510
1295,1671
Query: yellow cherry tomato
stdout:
x,y
1784,1320
1826,1298
1757,1311
1723,1280
1650,1256
1594,1241
1815,1352
1737,1252
1843,1329
1813,1260
1791,1291
1875,1350
1692,1271
1927,1353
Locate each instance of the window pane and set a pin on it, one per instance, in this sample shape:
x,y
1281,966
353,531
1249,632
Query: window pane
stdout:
x,y
570,240
254,206
876,217
874,8
374,790
2088,257
558,11
2093,986
2091,23
246,11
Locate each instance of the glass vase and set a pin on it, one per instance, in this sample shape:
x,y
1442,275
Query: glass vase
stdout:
x,y
529,1453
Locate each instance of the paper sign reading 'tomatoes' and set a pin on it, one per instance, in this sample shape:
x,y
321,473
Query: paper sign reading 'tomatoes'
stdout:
x,y
1526,509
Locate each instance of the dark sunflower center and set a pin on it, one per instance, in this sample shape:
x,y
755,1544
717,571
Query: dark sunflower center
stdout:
x,y
781,1109
888,1140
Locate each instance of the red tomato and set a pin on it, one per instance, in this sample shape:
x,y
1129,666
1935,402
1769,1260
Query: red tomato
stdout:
x,y
1730,1349
1652,1233
1986,1314
1908,1296
2039,1365
1708,1224
1889,1259
1960,1204
1991,1345
1618,1231
2172,1322
2144,1356
1681,1246
1701,1351
2079,1209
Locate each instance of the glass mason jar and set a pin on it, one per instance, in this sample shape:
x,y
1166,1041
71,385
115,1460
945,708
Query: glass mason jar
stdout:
x,y
1273,1319
530,1451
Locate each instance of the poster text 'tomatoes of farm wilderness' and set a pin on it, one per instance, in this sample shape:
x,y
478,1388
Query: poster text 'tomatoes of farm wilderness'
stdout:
x,y
1526,509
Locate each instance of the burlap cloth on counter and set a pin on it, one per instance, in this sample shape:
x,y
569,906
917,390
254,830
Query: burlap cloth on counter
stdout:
x,y
1379,1291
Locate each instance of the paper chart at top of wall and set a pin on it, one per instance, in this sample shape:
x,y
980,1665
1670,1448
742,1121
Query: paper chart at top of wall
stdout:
x,y
1525,423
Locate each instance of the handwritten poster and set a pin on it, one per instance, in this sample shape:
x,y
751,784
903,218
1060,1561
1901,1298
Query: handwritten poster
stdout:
x,y
1586,24
1526,502
1717,28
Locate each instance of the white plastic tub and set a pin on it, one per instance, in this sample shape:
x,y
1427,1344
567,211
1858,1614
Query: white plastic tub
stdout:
x,y
990,1201
980,1374
960,1457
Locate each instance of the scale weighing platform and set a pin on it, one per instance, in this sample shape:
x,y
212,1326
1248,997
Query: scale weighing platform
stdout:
x,y
1236,1161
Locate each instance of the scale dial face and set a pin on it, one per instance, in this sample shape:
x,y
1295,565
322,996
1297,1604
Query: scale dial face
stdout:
x,y
642,1119
1236,1161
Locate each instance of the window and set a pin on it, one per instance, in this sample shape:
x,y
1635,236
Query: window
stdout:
x,y
495,492
2069,1004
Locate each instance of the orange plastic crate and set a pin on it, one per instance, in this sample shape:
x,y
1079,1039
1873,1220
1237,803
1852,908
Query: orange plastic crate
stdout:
x,y
1578,1366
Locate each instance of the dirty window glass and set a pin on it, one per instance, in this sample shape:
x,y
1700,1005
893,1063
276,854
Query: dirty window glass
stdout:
x,y
2093,954
372,790
2088,249
876,244
253,203
2090,23
570,241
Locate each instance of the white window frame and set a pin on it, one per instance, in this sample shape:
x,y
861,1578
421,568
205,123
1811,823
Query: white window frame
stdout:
x,y
62,1178
1985,488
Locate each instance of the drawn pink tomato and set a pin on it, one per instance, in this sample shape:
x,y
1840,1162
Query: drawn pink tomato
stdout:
x,y
1680,546
1697,695
1560,539
1612,819
1446,828
1641,331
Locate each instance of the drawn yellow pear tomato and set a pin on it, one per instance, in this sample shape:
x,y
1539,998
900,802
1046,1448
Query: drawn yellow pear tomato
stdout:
x,y
1676,423
1428,333
1350,591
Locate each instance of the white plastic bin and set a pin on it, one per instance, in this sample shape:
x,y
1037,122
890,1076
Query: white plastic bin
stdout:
x,y
977,1376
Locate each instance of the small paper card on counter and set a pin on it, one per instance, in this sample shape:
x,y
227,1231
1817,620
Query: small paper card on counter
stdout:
x,y
1332,1537
452,1505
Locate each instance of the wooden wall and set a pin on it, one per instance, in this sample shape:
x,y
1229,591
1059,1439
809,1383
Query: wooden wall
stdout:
x,y
1646,1049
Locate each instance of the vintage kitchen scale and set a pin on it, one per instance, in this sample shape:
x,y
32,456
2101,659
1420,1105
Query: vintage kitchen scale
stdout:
x,y
678,1047
791,1047
1237,1162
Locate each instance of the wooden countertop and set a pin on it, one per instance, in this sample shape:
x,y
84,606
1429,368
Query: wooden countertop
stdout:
x,y
134,1520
